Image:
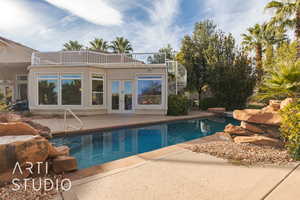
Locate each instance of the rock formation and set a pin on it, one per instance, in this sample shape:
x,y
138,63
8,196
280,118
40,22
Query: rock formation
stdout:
x,y
258,126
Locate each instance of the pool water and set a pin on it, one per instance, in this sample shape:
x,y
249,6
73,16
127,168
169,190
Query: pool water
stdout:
x,y
101,147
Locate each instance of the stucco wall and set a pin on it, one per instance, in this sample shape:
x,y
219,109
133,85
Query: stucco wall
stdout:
x,y
120,72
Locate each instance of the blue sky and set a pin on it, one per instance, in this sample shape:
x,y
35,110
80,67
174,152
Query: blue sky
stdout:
x,y
149,24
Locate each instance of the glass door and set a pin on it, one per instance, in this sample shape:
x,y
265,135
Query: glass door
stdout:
x,y
121,96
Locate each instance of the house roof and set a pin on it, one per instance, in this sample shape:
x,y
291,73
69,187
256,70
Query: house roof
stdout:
x,y
13,52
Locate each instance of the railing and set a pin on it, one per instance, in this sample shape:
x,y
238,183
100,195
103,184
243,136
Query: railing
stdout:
x,y
91,57
66,127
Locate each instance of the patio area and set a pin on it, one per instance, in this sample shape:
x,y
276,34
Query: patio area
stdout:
x,y
98,122
182,174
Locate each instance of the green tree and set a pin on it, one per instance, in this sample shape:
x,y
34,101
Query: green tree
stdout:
x,y
99,45
121,45
192,55
229,75
72,46
287,14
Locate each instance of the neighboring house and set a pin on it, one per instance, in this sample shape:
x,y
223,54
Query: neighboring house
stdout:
x,y
14,60
96,83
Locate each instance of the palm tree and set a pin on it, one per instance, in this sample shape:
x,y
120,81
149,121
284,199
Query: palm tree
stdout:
x,y
287,14
72,45
121,45
281,82
99,45
259,38
255,40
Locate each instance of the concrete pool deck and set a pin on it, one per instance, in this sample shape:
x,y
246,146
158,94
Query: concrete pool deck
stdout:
x,y
183,174
98,122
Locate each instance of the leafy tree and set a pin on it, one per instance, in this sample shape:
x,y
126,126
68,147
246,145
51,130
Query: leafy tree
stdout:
x,y
230,75
121,45
287,14
72,46
99,45
192,55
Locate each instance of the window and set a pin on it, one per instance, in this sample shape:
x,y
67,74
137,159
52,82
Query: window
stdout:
x,y
149,90
71,89
97,89
21,81
48,90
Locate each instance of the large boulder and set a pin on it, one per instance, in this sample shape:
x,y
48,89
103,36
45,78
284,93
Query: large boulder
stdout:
x,y
64,164
9,117
252,127
236,130
258,140
17,128
257,116
21,149
59,151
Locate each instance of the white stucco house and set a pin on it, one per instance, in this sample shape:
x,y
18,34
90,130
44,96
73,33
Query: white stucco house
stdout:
x,y
86,82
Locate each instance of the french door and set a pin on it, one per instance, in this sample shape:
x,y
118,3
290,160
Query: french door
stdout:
x,y
121,96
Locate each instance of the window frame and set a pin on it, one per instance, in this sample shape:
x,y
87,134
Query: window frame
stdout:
x,y
58,87
81,89
91,89
59,95
160,77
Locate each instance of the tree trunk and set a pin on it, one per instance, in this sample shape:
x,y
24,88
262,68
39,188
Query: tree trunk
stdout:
x,y
199,98
258,58
297,32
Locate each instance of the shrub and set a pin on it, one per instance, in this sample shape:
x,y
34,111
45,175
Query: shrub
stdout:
x,y
290,128
208,102
178,105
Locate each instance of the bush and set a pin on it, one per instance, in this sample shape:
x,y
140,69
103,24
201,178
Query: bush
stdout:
x,y
178,105
208,102
290,128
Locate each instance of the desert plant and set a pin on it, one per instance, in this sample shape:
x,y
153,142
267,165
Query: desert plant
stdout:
x,y
290,128
178,105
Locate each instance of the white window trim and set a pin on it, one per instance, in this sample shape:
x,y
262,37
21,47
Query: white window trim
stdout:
x,y
59,95
81,89
37,88
150,106
91,89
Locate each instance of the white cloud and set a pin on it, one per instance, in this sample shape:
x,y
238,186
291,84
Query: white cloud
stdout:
x,y
95,11
161,29
235,16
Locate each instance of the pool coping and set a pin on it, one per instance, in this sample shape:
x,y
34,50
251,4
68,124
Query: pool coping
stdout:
x,y
135,124
138,159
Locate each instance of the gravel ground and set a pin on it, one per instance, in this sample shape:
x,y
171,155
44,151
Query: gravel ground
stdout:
x,y
7,193
245,154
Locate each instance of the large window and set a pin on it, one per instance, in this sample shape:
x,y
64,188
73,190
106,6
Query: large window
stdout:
x,y
71,89
149,90
97,89
48,90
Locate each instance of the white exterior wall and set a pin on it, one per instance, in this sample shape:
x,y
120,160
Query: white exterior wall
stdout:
x,y
120,72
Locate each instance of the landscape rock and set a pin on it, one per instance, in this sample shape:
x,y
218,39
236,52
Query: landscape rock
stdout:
x,y
252,127
64,164
21,149
59,151
216,110
16,128
236,130
286,102
258,140
275,104
9,117
257,116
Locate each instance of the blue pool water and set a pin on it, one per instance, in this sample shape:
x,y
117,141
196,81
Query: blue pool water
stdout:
x,y
100,147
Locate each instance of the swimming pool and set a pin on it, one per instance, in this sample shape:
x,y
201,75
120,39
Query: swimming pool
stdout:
x,y
101,147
